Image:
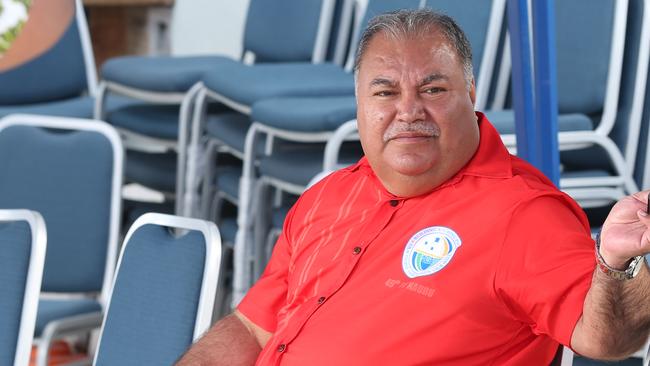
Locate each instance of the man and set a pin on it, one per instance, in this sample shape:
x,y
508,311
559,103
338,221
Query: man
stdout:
x,y
438,247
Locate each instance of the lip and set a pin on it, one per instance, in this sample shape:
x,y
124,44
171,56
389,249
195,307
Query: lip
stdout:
x,y
410,138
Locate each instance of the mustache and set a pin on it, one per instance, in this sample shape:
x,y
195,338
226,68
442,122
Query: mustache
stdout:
x,y
420,128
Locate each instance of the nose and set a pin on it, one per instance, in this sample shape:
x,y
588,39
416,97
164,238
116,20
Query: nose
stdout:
x,y
409,107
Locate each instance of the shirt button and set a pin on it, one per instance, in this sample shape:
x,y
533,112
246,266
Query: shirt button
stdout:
x,y
282,347
321,299
356,250
394,203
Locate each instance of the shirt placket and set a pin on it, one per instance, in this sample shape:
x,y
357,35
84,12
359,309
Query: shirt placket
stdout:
x,y
369,233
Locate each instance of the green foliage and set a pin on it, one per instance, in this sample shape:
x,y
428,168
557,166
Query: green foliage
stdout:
x,y
7,38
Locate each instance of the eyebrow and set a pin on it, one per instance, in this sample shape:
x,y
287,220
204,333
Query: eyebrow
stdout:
x,y
433,77
382,82
427,80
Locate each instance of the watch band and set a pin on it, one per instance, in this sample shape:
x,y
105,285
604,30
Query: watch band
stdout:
x,y
630,272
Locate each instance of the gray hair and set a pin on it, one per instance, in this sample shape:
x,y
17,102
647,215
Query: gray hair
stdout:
x,y
403,24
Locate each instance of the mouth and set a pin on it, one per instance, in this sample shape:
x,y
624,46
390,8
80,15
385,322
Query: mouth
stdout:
x,y
410,137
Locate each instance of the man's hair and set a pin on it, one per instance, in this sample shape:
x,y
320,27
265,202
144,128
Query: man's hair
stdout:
x,y
405,24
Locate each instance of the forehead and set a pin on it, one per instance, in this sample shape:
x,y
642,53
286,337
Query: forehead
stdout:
x,y
426,52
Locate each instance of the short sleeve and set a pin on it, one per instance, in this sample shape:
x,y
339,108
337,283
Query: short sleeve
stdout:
x,y
265,299
546,266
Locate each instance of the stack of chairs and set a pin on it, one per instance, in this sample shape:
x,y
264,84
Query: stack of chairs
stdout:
x,y
155,130
598,134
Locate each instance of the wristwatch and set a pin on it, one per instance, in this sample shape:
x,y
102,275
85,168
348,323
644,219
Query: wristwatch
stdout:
x,y
630,272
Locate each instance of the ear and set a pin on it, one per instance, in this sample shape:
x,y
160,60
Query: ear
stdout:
x,y
472,92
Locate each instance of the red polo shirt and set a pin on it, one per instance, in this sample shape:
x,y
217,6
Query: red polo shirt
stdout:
x,y
490,268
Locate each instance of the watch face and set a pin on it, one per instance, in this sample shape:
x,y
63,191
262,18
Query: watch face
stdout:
x,y
635,266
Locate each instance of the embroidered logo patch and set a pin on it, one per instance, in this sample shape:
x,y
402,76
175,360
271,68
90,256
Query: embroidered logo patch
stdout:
x,y
429,251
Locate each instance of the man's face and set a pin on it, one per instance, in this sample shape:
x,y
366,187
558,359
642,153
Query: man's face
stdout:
x,y
415,110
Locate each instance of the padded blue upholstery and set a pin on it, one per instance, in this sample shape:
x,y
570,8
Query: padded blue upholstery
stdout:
x,y
282,30
584,32
305,114
299,164
229,128
228,230
156,171
249,84
162,74
504,121
57,74
473,16
153,307
159,121
79,107
15,249
66,176
376,7
228,179
54,309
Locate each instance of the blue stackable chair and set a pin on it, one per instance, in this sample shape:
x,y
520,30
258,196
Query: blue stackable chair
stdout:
x,y
312,119
155,129
23,240
591,47
61,81
164,289
70,171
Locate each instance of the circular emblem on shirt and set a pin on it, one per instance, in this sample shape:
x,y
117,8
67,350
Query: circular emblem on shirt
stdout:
x,y
429,251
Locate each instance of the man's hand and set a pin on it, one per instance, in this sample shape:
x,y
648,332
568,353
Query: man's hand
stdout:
x,y
625,233
616,315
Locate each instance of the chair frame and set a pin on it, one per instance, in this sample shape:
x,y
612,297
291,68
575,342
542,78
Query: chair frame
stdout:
x,y
84,322
33,281
210,275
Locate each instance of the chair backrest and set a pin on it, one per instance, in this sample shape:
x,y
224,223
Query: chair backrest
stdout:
x,y
590,46
288,30
22,254
65,70
69,170
365,10
163,292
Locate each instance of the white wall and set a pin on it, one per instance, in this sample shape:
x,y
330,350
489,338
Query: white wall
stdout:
x,y
208,27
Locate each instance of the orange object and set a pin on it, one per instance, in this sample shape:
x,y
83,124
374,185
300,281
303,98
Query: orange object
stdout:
x,y
61,353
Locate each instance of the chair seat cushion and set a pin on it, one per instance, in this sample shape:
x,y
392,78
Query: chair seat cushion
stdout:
x,y
249,84
305,114
159,121
228,231
227,180
504,121
156,171
229,128
54,309
161,74
299,164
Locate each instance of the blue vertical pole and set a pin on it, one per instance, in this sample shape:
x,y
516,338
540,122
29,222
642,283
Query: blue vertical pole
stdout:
x,y
546,130
534,92
522,79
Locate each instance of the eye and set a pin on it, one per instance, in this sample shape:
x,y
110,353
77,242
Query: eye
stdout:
x,y
434,90
384,93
